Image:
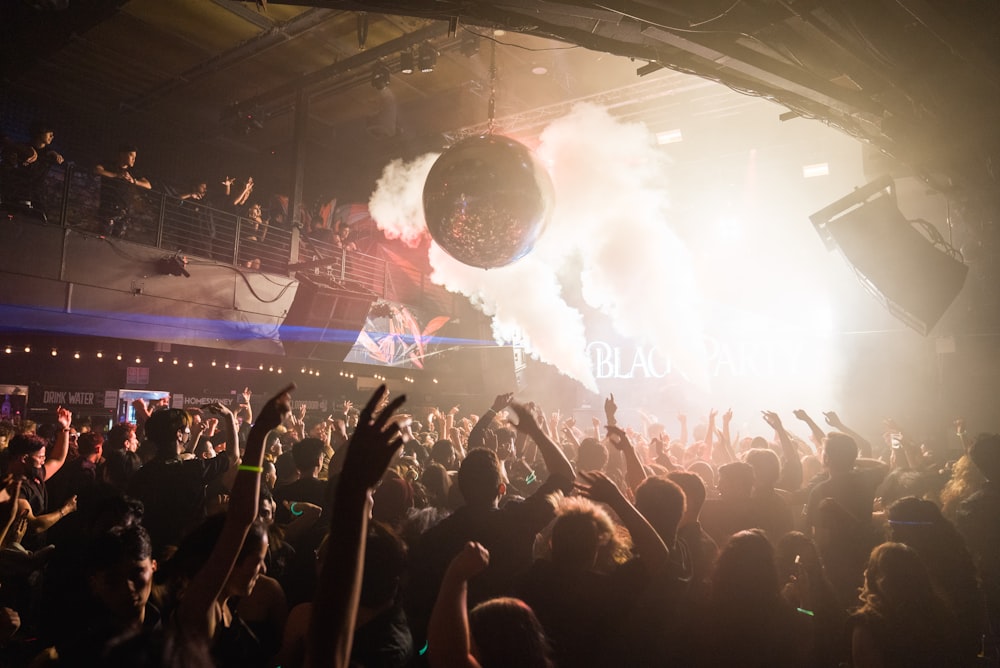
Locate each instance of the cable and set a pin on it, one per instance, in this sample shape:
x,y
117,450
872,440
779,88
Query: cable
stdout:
x,y
518,46
716,18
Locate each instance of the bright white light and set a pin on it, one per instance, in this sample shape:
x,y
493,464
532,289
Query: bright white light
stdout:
x,y
539,70
669,137
819,169
729,229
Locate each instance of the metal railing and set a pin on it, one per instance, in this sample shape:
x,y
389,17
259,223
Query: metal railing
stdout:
x,y
73,198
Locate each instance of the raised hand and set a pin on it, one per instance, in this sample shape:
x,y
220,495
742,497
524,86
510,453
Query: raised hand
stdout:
x,y
64,417
219,409
610,409
801,414
502,401
618,438
833,419
727,417
246,395
490,440
375,441
525,418
348,405
274,411
772,419
597,487
470,562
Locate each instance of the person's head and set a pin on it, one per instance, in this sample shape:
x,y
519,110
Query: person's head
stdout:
x,y
42,134
661,501
694,493
443,453
505,632
735,480
90,445
704,471
393,498
839,452
385,565
170,430
269,475
200,186
437,483
480,479
745,574
266,508
126,155
249,563
811,467
255,211
120,570
197,546
593,455
121,437
583,536
308,456
27,455
985,454
895,578
766,467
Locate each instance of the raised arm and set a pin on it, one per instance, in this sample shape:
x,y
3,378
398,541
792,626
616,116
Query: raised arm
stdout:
x,y
55,456
864,445
196,613
791,466
476,434
817,434
599,487
449,643
555,461
634,472
335,608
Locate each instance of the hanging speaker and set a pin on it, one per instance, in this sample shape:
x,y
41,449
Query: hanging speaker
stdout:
x,y
324,320
905,264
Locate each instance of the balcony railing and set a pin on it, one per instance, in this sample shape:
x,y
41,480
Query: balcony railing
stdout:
x,y
72,198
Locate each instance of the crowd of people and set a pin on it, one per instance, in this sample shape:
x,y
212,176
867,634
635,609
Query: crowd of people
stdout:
x,y
392,536
199,208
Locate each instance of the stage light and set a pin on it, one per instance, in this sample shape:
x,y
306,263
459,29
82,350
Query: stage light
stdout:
x,y
406,62
427,57
213,362
118,357
100,354
227,365
55,352
239,368
160,359
138,360
190,365
175,361
317,374
270,369
812,171
380,75
260,368
669,137
76,355
27,349
279,369
7,350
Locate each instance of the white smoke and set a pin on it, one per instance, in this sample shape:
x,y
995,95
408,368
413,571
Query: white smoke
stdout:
x,y
609,217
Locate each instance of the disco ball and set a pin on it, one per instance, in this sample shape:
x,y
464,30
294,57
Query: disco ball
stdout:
x,y
487,200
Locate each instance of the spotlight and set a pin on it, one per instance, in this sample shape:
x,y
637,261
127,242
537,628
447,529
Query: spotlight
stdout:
x,y
238,367
380,75
118,357
175,361
227,365
99,354
279,369
7,350
76,356
27,349
427,57
260,368
54,352
160,359
406,62
190,365
138,360
213,362
317,373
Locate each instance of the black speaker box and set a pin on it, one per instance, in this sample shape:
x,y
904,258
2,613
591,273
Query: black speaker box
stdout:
x,y
917,279
324,320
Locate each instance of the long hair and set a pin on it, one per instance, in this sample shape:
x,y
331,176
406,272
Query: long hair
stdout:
x,y
506,632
